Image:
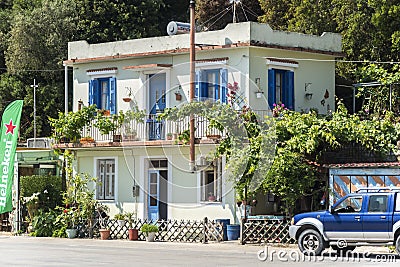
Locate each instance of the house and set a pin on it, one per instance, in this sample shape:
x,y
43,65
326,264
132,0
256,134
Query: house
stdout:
x,y
149,174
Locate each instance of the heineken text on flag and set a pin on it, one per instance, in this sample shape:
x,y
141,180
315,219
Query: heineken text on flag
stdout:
x,y
8,144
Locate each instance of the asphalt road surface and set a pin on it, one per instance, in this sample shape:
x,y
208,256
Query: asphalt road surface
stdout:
x,y
35,251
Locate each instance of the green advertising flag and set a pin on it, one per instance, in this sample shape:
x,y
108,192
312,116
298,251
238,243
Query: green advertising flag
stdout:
x,y
8,145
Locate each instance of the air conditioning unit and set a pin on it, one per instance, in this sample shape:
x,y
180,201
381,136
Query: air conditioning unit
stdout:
x,y
41,142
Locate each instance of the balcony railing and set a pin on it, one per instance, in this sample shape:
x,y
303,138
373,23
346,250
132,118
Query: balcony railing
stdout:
x,y
151,129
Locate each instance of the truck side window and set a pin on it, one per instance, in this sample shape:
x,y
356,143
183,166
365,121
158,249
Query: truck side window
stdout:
x,y
377,203
350,204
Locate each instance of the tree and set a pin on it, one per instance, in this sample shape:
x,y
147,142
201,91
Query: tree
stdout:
x,y
113,20
36,47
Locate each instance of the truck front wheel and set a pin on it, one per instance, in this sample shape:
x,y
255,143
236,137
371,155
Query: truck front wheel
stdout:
x,y
311,242
398,244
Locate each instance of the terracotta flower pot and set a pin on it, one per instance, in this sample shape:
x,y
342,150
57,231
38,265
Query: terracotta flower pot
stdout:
x,y
133,234
104,234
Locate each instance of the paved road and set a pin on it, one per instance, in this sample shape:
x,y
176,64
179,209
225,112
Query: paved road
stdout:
x,y
31,251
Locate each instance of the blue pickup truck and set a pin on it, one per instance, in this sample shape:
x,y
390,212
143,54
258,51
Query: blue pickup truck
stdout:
x,y
370,216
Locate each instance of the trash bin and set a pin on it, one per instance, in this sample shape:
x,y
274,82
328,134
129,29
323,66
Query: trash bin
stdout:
x,y
224,223
233,231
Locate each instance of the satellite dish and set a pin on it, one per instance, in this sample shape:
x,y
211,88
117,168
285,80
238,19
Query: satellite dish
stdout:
x,y
178,28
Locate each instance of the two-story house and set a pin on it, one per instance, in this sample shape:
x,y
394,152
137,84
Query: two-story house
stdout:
x,y
149,174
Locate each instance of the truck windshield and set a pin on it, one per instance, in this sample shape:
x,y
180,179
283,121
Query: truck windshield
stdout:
x,y
350,204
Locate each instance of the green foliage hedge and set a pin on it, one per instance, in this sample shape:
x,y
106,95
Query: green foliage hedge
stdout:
x,y
49,187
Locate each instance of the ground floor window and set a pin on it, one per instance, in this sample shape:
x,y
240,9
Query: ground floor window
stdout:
x,y
106,179
211,182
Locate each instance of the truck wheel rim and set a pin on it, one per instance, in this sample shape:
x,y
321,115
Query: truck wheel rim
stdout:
x,y
310,242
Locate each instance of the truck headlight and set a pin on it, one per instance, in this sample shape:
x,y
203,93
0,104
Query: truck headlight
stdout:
x,y
292,221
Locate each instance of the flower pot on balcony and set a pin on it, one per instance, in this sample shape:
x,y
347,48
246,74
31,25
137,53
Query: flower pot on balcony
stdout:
x,y
127,99
117,138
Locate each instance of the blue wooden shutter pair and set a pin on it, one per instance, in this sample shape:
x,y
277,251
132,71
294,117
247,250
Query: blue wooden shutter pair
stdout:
x,y
287,90
224,84
95,94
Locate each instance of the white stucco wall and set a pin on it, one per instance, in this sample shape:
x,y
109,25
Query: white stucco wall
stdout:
x,y
183,186
233,33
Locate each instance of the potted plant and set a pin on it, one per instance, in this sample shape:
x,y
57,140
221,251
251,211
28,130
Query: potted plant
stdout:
x,y
70,126
169,136
71,218
120,217
149,230
133,233
178,96
103,219
128,97
211,197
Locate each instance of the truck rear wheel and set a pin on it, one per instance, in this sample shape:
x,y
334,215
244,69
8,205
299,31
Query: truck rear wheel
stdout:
x,y
311,242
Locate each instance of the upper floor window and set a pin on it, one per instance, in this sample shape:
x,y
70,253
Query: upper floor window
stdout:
x,y
212,84
102,92
281,88
106,179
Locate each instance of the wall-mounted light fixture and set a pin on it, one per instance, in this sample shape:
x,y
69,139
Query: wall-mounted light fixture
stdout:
x,y
308,96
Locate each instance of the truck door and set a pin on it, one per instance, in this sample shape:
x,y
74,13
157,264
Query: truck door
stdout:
x,y
377,218
345,221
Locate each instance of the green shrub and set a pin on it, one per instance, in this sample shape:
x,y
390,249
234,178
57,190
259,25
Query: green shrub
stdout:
x,y
44,223
49,188
148,228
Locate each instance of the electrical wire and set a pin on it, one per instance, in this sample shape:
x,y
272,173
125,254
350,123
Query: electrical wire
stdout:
x,y
244,12
250,11
226,10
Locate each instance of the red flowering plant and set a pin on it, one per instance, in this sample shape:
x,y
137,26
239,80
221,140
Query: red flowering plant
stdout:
x,y
70,217
232,92
278,109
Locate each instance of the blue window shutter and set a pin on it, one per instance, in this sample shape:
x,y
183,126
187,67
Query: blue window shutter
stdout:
x,y
224,84
113,95
203,86
197,84
94,93
289,90
271,88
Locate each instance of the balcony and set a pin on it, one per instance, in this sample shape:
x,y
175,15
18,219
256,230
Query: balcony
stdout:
x,y
150,131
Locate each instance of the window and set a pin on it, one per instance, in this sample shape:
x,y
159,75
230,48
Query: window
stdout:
x,y
102,93
211,182
281,88
211,84
377,203
350,204
106,179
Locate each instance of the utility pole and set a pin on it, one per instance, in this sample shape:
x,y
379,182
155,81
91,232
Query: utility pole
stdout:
x,y
34,85
192,59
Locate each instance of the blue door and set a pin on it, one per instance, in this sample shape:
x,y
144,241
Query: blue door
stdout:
x,y
157,94
154,195
345,221
377,222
